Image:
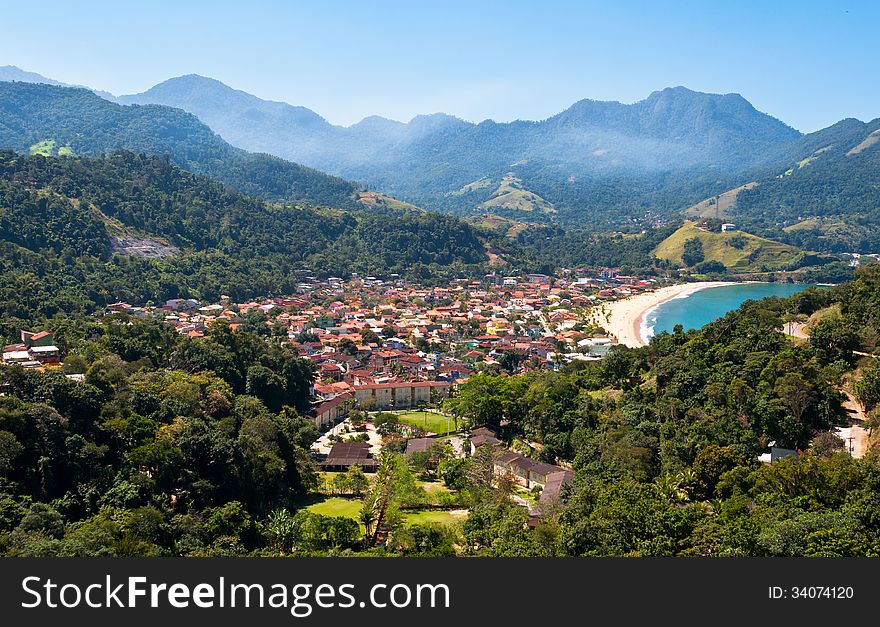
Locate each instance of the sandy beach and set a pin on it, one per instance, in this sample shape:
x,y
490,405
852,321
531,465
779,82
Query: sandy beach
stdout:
x,y
623,318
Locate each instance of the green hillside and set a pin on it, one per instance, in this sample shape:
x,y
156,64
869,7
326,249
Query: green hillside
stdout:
x,y
737,250
511,194
50,121
824,197
77,233
718,206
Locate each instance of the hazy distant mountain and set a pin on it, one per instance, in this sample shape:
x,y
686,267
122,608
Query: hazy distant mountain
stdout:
x,y
240,118
13,73
432,158
47,119
602,164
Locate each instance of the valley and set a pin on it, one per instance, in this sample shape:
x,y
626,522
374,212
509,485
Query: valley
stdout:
x,y
233,328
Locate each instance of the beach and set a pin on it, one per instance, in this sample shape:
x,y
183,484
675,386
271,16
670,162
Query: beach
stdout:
x,y
623,318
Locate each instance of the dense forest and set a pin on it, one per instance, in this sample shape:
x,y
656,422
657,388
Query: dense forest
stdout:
x,y
664,440
159,421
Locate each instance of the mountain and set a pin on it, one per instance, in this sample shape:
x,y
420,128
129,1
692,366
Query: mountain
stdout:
x,y
262,125
599,165
13,73
822,193
64,120
593,159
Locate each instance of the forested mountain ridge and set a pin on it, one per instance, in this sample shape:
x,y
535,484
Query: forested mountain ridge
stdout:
x,y
822,193
594,160
59,217
13,73
600,165
85,124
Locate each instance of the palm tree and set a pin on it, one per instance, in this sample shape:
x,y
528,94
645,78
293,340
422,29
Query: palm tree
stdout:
x,y
367,515
675,488
376,503
280,530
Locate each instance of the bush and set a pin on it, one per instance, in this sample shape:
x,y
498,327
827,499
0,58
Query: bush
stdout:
x,y
711,267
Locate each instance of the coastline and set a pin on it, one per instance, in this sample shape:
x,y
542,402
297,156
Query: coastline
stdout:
x,y
623,318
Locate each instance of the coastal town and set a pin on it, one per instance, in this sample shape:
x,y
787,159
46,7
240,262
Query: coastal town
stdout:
x,y
388,352
389,343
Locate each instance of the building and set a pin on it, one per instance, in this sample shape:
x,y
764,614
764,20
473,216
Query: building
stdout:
x,y
419,445
36,350
344,455
46,355
400,394
527,472
331,411
553,488
482,436
13,356
43,338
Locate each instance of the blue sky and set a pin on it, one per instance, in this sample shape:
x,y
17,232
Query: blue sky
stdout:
x,y
807,63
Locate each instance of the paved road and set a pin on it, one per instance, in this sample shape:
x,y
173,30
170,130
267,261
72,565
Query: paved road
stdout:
x,y
796,329
854,435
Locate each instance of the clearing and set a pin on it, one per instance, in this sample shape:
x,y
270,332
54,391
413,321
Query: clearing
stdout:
x,y
427,421
336,506
718,206
737,250
511,194
440,516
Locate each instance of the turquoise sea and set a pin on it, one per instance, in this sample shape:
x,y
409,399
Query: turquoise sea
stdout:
x,y
695,309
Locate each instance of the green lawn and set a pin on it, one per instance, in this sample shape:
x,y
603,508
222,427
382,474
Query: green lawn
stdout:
x,y
426,420
336,506
350,508
442,516
433,486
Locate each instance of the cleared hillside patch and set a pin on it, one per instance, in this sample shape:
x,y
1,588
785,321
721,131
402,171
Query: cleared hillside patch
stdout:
x,y
512,195
737,250
718,206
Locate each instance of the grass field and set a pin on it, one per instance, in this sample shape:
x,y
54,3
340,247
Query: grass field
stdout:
x,y
336,506
441,516
375,199
426,420
350,508
502,226
512,195
433,487
757,252
47,148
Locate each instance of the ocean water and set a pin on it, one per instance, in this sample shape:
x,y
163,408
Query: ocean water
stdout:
x,y
695,309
